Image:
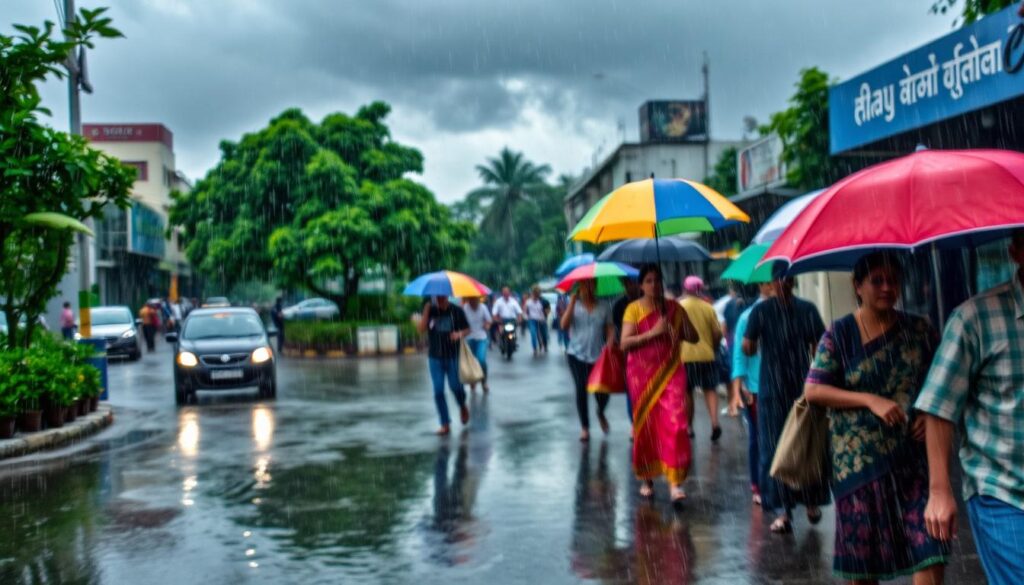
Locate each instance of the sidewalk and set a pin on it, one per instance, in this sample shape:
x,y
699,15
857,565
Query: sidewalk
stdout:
x,y
83,426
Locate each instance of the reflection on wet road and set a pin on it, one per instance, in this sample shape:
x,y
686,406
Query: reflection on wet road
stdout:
x,y
342,480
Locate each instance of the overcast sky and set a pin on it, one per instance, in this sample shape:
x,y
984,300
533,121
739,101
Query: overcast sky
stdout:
x,y
553,78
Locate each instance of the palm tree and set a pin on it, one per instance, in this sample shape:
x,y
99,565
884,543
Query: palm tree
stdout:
x,y
510,181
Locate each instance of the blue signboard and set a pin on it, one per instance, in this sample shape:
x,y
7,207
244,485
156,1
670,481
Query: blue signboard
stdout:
x,y
976,66
147,231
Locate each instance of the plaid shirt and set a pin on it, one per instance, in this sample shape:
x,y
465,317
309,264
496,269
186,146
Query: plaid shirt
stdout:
x,y
977,382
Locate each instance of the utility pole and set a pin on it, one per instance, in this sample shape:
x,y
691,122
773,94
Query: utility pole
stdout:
x,y
707,116
77,82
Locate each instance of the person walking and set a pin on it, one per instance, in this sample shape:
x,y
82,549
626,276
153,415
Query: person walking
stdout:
x,y
588,321
277,317
656,379
150,324
976,384
746,382
537,320
479,318
867,372
699,357
786,330
446,326
67,322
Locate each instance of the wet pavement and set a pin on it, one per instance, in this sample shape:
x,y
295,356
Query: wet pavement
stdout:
x,y
342,480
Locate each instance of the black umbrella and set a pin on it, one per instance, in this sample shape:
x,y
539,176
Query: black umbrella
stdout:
x,y
672,249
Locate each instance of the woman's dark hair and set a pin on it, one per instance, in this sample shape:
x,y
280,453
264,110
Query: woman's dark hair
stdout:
x,y
647,269
865,265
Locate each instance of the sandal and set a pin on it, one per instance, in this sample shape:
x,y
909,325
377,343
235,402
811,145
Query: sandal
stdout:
x,y
647,489
678,494
443,431
814,515
756,499
781,525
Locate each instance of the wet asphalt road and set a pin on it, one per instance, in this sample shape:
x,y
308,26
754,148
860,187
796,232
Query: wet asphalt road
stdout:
x,y
341,480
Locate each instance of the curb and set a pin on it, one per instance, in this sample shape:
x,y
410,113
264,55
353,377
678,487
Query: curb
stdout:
x,y
82,427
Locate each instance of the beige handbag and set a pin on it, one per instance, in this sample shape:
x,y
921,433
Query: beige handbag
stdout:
x,y
801,457
470,371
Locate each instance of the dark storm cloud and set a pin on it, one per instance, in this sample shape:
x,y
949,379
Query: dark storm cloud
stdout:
x,y
213,69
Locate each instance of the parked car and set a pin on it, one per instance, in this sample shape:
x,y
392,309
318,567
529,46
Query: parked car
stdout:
x,y
216,303
316,308
222,349
117,325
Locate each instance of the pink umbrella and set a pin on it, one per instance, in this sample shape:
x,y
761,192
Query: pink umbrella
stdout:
x,y
944,198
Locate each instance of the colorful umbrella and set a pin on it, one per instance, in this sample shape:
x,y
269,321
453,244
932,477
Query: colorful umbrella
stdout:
x,y
671,249
944,198
572,262
783,216
608,277
656,207
446,283
745,267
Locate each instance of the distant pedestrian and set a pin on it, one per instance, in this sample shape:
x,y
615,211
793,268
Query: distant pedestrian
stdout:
x,y
446,326
652,328
868,370
786,330
976,384
537,320
700,357
588,321
67,322
479,318
150,324
277,317
746,382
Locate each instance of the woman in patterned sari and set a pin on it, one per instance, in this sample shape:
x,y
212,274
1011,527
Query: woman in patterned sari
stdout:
x,y
652,331
868,370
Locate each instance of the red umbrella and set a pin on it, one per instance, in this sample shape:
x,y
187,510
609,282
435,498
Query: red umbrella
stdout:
x,y
948,198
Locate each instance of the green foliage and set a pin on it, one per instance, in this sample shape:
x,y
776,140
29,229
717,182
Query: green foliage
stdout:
x,y
971,11
522,232
336,335
317,206
44,171
804,130
51,370
723,177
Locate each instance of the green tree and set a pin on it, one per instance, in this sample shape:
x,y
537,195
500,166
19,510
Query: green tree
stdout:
x,y
510,182
316,206
804,130
50,180
723,176
971,10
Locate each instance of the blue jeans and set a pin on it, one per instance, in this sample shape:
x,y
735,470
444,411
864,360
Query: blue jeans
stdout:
x,y
439,369
538,333
998,531
479,349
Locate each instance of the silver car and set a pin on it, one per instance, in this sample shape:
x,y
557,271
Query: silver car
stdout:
x,y
315,308
117,325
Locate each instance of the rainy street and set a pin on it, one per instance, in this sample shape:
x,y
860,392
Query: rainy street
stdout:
x,y
342,480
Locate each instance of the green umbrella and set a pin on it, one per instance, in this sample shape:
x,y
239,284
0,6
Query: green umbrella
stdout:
x,y
57,221
745,269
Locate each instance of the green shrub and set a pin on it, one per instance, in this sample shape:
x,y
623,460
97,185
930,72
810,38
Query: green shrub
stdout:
x,y
323,335
52,370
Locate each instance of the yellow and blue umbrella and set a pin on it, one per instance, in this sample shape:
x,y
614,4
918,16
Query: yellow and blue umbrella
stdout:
x,y
446,283
654,208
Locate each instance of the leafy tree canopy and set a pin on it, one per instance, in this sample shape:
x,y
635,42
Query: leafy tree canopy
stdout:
x,y
316,206
45,171
970,10
723,176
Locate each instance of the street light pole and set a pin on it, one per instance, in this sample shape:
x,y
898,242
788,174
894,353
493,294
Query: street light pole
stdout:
x,y
707,116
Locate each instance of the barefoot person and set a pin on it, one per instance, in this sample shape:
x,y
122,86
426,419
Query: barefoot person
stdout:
x,y
652,330
446,326
868,370
588,321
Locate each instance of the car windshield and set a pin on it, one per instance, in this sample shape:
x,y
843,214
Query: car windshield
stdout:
x,y
111,316
222,325
217,300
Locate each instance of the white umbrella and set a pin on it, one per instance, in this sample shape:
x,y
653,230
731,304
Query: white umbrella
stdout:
x,y
783,216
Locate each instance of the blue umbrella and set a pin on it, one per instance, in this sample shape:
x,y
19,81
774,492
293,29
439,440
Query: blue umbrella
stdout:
x,y
573,262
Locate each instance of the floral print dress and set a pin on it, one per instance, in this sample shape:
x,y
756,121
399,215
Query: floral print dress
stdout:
x,y
879,473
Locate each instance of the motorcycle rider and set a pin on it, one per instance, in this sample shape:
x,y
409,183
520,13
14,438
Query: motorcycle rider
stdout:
x,y
506,308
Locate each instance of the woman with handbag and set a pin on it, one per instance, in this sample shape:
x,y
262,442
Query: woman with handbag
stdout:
x,y
652,331
786,330
868,370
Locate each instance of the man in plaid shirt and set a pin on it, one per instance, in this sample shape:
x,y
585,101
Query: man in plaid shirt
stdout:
x,y
976,382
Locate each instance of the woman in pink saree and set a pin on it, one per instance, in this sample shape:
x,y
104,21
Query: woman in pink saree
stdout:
x,y
651,333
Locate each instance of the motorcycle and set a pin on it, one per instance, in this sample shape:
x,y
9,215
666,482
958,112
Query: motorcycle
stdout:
x,y
507,340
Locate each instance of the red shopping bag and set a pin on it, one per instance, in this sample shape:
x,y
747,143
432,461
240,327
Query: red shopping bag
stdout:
x,y
609,373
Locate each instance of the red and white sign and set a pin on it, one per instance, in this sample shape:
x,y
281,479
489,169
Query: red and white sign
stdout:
x,y
760,165
129,133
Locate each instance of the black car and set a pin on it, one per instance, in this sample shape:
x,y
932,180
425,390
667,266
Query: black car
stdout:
x,y
222,349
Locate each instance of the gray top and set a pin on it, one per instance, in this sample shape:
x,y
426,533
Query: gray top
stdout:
x,y
586,335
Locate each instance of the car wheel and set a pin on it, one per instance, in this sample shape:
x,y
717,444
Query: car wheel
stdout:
x,y
180,395
268,389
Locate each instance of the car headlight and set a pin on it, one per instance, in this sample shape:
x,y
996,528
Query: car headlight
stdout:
x,y
128,333
188,359
260,355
